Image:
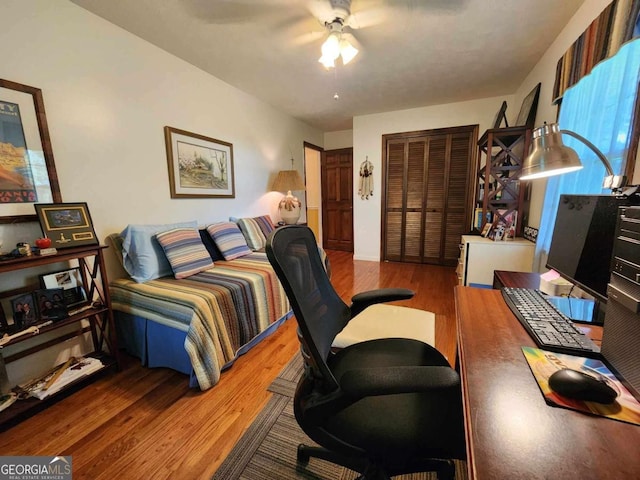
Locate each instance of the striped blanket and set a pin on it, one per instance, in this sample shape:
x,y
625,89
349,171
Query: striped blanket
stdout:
x,y
221,309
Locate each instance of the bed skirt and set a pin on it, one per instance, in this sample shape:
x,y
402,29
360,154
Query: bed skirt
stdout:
x,y
158,345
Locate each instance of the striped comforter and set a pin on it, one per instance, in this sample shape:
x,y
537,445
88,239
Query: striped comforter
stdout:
x,y
221,309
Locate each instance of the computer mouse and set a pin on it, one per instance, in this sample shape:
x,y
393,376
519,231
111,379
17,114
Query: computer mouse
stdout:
x,y
581,386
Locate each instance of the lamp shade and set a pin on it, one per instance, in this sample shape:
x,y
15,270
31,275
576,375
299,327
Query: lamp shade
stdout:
x,y
549,155
287,180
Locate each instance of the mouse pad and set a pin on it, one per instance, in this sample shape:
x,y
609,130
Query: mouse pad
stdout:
x,y
543,364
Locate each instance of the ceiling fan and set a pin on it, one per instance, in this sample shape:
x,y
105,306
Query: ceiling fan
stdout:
x,y
337,44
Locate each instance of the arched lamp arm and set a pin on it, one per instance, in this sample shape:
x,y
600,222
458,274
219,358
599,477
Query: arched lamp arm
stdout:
x,y
595,150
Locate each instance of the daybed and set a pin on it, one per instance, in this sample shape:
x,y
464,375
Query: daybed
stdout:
x,y
196,323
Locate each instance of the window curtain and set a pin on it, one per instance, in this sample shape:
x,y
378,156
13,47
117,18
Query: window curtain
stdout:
x,y
600,108
617,24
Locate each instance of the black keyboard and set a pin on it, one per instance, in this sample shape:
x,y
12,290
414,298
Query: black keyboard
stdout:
x,y
549,327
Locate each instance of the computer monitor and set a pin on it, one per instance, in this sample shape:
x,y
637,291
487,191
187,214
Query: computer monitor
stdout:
x,y
582,242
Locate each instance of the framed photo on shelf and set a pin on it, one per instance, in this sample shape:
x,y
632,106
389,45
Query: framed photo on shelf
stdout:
x,y
28,172
504,225
527,114
66,224
24,311
70,281
50,304
199,166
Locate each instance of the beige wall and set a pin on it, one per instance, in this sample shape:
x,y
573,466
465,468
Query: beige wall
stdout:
x,y
108,94
367,141
339,139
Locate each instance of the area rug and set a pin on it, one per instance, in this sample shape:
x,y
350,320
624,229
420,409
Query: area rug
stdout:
x,y
267,450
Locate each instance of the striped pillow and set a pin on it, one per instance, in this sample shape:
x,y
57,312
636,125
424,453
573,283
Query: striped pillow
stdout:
x,y
265,224
229,240
252,233
185,251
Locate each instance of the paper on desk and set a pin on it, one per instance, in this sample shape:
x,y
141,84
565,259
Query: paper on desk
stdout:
x,y
550,275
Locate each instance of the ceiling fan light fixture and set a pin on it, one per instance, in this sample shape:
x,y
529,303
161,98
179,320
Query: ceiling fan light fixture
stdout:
x,y
335,45
347,51
331,46
328,62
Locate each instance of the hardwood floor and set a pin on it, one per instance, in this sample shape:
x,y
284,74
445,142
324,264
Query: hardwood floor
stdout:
x,y
146,423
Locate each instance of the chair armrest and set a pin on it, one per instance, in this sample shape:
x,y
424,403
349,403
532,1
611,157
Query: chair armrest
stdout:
x,y
363,300
367,382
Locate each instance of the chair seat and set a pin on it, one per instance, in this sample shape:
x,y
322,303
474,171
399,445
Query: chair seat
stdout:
x,y
388,321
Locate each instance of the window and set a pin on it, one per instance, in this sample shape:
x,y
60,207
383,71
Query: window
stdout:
x,y
600,108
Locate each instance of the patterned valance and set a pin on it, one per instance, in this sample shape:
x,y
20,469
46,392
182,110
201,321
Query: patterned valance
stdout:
x,y
617,24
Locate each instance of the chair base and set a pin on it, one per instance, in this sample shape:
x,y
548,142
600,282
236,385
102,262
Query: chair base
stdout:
x,y
445,469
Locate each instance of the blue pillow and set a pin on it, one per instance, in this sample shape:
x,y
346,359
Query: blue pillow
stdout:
x,y
142,256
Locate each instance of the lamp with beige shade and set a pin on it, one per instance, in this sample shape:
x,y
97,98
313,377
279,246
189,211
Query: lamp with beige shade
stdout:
x,y
289,207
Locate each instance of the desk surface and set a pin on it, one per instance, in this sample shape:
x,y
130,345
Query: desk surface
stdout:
x,y
511,431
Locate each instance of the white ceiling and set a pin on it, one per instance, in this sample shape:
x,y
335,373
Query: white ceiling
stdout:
x,y
412,52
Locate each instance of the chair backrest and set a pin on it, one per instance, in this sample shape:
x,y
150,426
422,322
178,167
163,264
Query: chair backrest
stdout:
x,y
320,312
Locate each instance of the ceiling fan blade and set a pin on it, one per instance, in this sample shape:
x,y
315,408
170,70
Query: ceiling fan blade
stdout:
x,y
369,17
239,11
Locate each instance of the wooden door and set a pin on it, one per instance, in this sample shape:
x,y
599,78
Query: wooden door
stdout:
x,y
337,199
426,202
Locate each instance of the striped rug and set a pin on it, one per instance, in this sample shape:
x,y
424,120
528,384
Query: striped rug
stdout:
x,y
267,450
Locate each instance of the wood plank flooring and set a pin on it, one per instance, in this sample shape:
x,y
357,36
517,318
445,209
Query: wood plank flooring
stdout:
x,y
147,424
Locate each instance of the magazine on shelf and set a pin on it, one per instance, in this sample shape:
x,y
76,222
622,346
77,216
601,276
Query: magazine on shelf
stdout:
x,y
72,370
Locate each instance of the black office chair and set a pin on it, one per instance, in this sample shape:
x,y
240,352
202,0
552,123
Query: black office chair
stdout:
x,y
380,407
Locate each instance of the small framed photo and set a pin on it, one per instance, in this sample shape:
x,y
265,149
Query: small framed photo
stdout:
x,y
70,281
24,311
486,229
66,224
50,304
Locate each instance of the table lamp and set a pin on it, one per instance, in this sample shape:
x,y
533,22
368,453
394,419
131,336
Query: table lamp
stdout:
x,y
289,206
551,157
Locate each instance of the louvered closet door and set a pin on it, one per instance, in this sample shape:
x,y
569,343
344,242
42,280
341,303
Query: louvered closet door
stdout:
x,y
457,210
404,224
426,198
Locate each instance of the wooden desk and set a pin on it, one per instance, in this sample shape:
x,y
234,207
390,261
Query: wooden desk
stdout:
x,y
503,278
511,431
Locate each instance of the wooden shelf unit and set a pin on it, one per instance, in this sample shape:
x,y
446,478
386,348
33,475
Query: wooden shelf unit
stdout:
x,y
497,186
100,318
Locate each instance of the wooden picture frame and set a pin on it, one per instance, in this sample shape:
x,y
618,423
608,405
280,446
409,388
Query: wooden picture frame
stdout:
x,y
66,224
27,169
527,115
199,166
501,116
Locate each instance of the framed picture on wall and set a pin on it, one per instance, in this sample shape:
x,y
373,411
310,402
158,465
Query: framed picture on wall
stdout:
x,y
66,224
27,170
199,166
